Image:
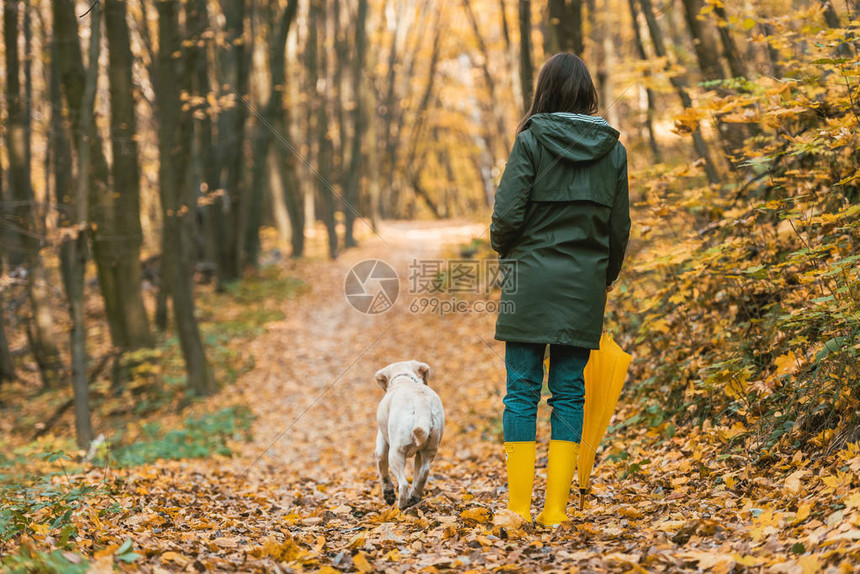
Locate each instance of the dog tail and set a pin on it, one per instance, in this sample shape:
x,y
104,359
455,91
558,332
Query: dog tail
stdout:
x,y
421,430
419,436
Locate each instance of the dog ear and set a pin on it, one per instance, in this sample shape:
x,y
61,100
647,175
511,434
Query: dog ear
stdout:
x,y
382,378
422,369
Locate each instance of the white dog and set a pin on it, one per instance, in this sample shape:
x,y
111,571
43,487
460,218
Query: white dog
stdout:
x,y
411,422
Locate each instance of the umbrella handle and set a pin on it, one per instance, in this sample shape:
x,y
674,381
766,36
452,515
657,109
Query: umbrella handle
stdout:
x,y
581,499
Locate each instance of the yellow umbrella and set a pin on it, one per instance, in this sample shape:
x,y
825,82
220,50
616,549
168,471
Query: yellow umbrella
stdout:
x,y
604,377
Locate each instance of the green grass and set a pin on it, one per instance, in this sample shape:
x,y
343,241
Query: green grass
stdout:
x,y
197,438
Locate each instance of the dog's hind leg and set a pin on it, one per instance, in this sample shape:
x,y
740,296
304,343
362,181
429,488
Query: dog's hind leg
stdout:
x,y
398,468
382,465
423,460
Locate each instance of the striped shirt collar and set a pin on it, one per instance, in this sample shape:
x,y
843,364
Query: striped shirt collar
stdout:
x,y
582,117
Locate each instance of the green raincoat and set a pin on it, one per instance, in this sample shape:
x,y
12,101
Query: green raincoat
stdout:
x,y
562,215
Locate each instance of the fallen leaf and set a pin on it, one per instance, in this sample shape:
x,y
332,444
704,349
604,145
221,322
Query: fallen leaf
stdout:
x,y
792,482
360,562
225,542
507,519
357,541
174,557
810,564
786,364
477,513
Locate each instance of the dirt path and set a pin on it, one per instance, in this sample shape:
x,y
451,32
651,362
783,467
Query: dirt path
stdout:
x,y
303,494
327,352
317,404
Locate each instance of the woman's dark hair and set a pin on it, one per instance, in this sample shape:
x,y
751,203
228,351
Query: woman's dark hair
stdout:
x,y
564,85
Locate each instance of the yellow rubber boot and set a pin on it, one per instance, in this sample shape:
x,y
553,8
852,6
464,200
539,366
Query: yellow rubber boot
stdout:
x,y
520,462
560,467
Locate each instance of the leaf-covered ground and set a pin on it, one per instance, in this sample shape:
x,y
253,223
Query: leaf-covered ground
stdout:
x,y
302,494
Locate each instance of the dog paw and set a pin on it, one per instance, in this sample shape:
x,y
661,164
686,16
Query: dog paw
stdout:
x,y
389,496
411,501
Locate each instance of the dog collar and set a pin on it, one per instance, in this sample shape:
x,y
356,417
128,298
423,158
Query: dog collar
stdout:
x,y
410,375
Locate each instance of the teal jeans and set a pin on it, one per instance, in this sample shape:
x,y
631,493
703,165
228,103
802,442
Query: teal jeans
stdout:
x,y
524,363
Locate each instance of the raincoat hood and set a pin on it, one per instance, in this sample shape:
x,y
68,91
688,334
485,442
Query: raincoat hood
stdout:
x,y
574,137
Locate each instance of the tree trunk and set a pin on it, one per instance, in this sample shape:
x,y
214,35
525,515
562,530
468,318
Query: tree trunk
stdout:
x,y
125,171
38,210
413,164
553,40
527,70
286,153
73,247
832,20
268,124
608,83
649,93
231,136
565,27
73,250
207,170
165,282
772,53
731,136
178,196
491,110
73,254
325,157
573,29
680,88
703,43
353,186
275,198
830,15
510,56
260,139
337,59
58,155
111,263
7,367
422,193
372,200
41,325
444,159
319,77
292,189
730,49
259,182
9,241
601,56
389,111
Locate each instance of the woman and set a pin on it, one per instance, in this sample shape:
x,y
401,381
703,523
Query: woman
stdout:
x,y
561,222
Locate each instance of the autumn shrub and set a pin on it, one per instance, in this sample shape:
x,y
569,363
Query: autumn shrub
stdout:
x,y
198,437
27,560
37,502
741,300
